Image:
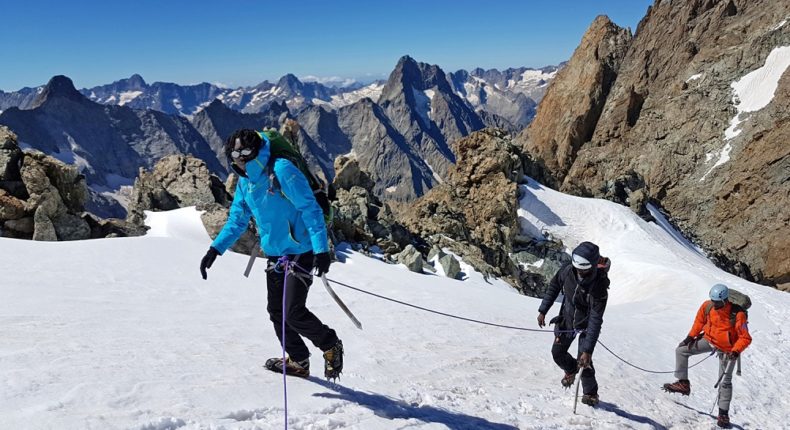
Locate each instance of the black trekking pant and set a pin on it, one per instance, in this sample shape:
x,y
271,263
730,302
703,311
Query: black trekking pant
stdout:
x,y
299,321
559,350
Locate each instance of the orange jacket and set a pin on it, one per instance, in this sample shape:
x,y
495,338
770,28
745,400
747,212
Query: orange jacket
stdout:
x,y
719,330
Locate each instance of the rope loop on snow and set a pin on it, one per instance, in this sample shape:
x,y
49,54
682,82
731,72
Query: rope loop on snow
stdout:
x,y
646,370
472,320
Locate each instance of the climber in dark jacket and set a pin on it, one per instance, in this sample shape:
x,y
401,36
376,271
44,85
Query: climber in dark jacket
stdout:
x,y
584,284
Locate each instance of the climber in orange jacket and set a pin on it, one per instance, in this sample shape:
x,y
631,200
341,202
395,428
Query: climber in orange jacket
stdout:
x,y
718,328
714,329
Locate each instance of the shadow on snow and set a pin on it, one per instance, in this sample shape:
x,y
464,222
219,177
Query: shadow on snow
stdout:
x,y
390,408
735,426
611,407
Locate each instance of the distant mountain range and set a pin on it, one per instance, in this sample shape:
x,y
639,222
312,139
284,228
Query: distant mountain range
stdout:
x,y
401,129
511,94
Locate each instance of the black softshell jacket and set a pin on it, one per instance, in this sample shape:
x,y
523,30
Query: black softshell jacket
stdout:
x,y
582,307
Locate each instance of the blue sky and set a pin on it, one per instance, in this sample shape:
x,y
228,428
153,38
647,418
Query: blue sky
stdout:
x,y
243,42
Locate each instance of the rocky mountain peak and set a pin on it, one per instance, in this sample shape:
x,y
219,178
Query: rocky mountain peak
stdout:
x,y
215,106
58,87
567,115
136,82
420,76
290,81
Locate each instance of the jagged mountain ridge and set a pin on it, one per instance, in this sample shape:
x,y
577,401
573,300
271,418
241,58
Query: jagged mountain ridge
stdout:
x,y
22,99
401,130
511,94
108,143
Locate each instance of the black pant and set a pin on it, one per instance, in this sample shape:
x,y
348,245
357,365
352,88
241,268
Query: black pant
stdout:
x,y
298,320
559,350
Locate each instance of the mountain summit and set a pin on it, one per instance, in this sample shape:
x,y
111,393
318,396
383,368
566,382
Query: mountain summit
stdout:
x,y
58,87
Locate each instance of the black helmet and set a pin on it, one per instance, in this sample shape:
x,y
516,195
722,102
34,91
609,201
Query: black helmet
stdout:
x,y
243,145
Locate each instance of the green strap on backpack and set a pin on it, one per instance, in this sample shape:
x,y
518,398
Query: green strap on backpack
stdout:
x,y
280,147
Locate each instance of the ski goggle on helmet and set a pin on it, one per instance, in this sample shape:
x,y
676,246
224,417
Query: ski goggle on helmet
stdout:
x,y
719,293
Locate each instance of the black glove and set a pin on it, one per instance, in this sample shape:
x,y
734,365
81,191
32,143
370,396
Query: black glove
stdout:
x,y
732,356
687,341
208,260
321,263
541,320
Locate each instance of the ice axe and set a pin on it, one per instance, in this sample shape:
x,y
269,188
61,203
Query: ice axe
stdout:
x,y
340,302
253,254
728,365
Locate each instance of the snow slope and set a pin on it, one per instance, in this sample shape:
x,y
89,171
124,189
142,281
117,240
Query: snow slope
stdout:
x,y
124,334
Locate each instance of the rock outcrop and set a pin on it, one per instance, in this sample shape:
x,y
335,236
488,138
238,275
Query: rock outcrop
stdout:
x,y
179,181
411,258
474,213
360,217
41,198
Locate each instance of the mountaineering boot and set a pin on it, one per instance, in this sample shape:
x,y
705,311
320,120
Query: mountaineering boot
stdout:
x,y
567,380
724,420
292,368
682,386
590,399
333,361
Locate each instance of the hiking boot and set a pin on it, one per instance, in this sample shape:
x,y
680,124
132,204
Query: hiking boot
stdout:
x,y
333,361
590,399
724,421
293,368
568,379
682,386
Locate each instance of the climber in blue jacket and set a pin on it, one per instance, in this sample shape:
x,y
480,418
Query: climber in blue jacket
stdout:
x,y
294,238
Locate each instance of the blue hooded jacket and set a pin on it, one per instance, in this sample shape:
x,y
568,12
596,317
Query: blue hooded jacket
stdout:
x,y
289,219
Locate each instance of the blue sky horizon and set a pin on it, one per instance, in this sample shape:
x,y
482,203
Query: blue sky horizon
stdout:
x,y
248,41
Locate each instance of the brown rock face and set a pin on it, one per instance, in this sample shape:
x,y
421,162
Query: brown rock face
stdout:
x,y
567,115
662,131
668,110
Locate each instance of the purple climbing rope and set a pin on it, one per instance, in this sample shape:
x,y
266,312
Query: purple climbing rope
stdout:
x,y
283,262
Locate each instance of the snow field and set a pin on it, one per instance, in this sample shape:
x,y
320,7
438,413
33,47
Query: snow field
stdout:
x,y
123,333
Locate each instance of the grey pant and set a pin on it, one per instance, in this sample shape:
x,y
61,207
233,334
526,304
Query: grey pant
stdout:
x,y
682,354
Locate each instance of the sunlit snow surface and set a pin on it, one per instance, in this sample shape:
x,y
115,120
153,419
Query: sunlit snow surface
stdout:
x,y
124,334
